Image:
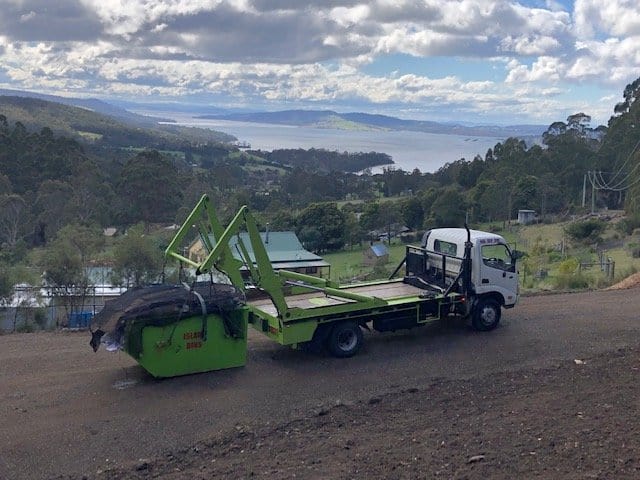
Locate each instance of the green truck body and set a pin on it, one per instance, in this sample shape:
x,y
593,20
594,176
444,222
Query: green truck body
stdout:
x,y
300,310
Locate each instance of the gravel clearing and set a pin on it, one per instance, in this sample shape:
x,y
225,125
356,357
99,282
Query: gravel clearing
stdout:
x,y
552,393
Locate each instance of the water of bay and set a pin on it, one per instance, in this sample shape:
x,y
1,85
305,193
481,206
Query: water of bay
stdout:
x,y
409,150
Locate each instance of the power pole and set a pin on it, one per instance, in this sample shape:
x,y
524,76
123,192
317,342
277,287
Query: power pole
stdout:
x,y
584,190
593,198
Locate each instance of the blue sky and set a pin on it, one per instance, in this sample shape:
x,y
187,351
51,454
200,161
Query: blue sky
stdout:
x,y
482,61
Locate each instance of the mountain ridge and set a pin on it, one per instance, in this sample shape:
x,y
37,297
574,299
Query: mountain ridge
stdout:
x,y
327,118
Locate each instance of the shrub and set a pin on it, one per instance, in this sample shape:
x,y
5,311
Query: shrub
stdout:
x,y
40,318
634,249
554,256
566,281
568,266
25,327
586,230
629,224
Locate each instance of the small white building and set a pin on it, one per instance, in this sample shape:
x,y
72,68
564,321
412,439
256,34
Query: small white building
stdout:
x,y
525,217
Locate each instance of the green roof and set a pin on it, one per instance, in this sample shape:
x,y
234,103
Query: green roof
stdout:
x,y
280,246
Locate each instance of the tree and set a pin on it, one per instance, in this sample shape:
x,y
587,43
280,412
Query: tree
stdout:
x,y
412,212
370,215
6,283
13,213
92,196
526,193
325,219
283,220
51,208
389,217
150,188
631,94
352,230
489,201
579,122
137,259
66,262
449,209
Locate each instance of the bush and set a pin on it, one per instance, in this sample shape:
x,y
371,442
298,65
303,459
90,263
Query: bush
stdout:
x,y
586,230
569,266
629,224
40,318
554,256
627,272
566,281
25,327
634,249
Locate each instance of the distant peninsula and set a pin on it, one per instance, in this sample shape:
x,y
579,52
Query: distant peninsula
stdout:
x,y
366,121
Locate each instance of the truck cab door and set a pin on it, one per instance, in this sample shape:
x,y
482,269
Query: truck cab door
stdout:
x,y
498,273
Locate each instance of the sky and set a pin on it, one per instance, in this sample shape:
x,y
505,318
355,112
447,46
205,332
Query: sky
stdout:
x,y
496,61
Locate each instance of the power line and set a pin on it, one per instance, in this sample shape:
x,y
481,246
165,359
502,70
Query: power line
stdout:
x,y
609,186
625,162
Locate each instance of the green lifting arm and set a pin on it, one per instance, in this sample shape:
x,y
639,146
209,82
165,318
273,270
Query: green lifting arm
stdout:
x,y
219,255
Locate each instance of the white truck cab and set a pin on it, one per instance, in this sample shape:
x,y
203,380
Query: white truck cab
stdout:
x,y
493,264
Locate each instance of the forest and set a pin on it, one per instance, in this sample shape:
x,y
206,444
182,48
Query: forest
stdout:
x,y
58,191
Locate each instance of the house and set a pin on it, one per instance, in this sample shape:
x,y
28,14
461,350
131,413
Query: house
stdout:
x,y
376,254
283,248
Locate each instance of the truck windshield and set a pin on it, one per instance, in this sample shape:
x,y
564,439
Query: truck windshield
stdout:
x,y
497,256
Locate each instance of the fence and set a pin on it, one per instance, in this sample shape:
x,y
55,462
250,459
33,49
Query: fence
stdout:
x,y
33,308
605,264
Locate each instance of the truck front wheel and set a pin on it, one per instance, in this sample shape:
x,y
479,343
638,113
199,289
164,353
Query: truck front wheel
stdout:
x,y
345,339
486,315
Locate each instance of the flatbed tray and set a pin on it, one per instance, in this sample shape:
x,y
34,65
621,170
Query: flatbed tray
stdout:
x,y
307,301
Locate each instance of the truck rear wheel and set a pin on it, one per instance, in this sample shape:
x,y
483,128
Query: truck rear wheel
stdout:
x,y
345,339
486,315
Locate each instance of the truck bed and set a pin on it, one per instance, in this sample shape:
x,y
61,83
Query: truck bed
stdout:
x,y
392,290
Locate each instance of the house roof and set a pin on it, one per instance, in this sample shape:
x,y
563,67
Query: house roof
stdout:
x,y
379,250
280,246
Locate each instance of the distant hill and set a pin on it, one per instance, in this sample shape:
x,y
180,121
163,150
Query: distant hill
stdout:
x,y
90,126
331,119
164,108
92,104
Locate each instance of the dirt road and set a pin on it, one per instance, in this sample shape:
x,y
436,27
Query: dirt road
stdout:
x,y
438,401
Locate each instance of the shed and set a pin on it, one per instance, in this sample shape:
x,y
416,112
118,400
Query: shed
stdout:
x,y
376,254
525,217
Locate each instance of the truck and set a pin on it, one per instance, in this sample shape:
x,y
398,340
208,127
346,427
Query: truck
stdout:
x,y
175,330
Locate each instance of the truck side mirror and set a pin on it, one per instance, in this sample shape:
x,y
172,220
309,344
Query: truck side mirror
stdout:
x,y
517,255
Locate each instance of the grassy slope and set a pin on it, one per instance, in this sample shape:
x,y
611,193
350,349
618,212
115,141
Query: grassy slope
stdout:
x,y
347,265
540,242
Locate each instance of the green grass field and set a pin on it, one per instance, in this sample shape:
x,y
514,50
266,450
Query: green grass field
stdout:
x,y
551,261
347,265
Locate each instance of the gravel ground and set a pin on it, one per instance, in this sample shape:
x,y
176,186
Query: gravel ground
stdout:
x,y
552,393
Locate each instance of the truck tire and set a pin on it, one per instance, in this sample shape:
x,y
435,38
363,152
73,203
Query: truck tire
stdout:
x,y
345,339
486,315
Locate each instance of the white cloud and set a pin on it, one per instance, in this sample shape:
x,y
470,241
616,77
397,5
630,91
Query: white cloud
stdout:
x,y
25,17
545,69
529,46
610,18
317,51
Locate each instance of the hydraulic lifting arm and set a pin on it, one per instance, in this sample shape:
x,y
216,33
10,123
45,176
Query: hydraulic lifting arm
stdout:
x,y
219,255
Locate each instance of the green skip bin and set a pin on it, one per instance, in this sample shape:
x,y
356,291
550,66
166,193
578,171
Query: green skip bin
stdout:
x,y
176,330
180,348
